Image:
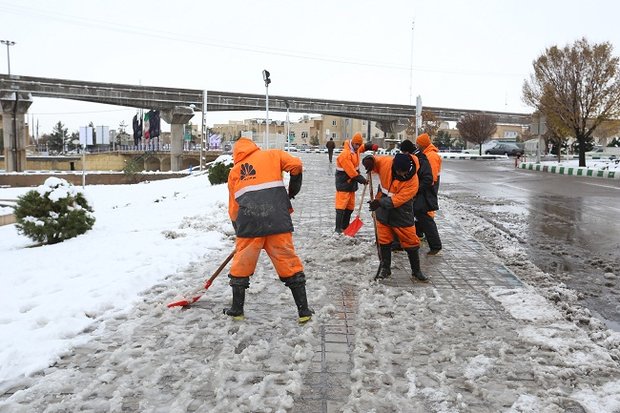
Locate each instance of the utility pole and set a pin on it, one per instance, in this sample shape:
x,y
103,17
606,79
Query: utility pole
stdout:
x,y
205,130
411,66
8,44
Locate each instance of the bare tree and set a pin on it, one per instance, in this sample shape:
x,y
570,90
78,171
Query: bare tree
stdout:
x,y
430,125
476,128
578,86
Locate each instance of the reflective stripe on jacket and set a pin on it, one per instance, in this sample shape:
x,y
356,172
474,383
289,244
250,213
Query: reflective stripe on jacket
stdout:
x,y
401,193
258,200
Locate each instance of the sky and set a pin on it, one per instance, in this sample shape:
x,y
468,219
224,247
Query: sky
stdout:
x,y
469,55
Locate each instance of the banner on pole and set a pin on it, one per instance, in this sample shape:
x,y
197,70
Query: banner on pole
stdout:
x,y
86,135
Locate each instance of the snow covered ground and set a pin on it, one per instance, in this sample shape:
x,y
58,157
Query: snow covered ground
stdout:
x,y
142,234
85,326
597,164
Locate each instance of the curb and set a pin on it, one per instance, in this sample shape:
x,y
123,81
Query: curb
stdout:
x,y
569,170
470,156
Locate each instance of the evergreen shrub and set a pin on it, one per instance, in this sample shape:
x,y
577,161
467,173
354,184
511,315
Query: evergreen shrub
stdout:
x,y
53,212
218,173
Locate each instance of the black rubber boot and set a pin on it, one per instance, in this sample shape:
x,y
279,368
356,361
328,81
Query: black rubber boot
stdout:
x,y
339,220
414,260
346,218
238,284
297,284
386,261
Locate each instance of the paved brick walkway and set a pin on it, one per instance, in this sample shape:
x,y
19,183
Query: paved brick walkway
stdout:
x,y
464,266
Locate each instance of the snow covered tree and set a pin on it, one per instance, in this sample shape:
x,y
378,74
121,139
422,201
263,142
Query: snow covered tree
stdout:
x,y
53,212
218,172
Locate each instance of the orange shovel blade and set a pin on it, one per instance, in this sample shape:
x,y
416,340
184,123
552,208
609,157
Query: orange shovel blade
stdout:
x,y
353,227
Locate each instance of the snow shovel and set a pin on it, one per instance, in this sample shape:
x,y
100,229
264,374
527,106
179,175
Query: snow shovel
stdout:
x,y
357,223
195,296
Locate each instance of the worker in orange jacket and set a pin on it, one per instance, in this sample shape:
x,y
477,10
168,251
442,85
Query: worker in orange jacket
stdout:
x,y
393,208
426,202
260,209
348,177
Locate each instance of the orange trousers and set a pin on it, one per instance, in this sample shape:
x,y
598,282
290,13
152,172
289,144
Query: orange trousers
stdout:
x,y
406,235
279,248
345,200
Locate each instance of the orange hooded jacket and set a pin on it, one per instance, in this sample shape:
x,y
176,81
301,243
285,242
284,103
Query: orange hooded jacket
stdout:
x,y
434,160
258,203
347,167
398,212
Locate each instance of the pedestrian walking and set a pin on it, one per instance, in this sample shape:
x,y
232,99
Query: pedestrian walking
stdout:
x,y
260,210
348,177
426,202
393,208
330,145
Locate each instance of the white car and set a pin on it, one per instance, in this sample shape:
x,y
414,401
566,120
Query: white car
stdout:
x,y
383,151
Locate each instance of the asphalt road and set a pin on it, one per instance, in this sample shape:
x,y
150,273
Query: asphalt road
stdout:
x,y
569,225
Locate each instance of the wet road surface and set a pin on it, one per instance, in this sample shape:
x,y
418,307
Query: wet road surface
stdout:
x,y
570,226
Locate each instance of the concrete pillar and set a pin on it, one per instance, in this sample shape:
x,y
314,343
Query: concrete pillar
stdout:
x,y
14,107
177,118
393,126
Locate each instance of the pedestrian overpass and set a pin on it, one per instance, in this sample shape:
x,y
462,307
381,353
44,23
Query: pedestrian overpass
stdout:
x,y
177,106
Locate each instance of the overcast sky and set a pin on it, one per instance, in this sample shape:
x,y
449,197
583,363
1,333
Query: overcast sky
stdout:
x,y
471,54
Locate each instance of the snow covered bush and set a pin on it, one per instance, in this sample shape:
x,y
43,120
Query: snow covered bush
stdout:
x,y
218,173
53,212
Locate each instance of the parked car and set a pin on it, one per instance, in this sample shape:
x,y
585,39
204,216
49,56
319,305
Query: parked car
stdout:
x,y
596,152
509,149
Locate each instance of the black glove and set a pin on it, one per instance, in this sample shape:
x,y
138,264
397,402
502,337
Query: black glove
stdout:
x,y
360,179
374,204
369,163
294,185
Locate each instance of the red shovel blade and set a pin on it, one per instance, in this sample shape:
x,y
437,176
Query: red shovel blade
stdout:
x,y
191,300
184,302
353,227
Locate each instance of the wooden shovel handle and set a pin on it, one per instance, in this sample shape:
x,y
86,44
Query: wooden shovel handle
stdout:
x,y
359,208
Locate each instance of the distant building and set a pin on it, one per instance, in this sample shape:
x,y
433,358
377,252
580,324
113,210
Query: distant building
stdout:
x,y
307,129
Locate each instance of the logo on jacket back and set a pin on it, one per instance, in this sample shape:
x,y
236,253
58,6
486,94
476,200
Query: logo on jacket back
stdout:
x,y
247,171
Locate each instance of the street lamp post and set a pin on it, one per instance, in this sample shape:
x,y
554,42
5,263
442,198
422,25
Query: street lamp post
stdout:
x,y
267,82
288,132
418,114
8,44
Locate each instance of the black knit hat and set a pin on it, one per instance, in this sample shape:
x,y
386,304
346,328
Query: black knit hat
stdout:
x,y
407,146
402,162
